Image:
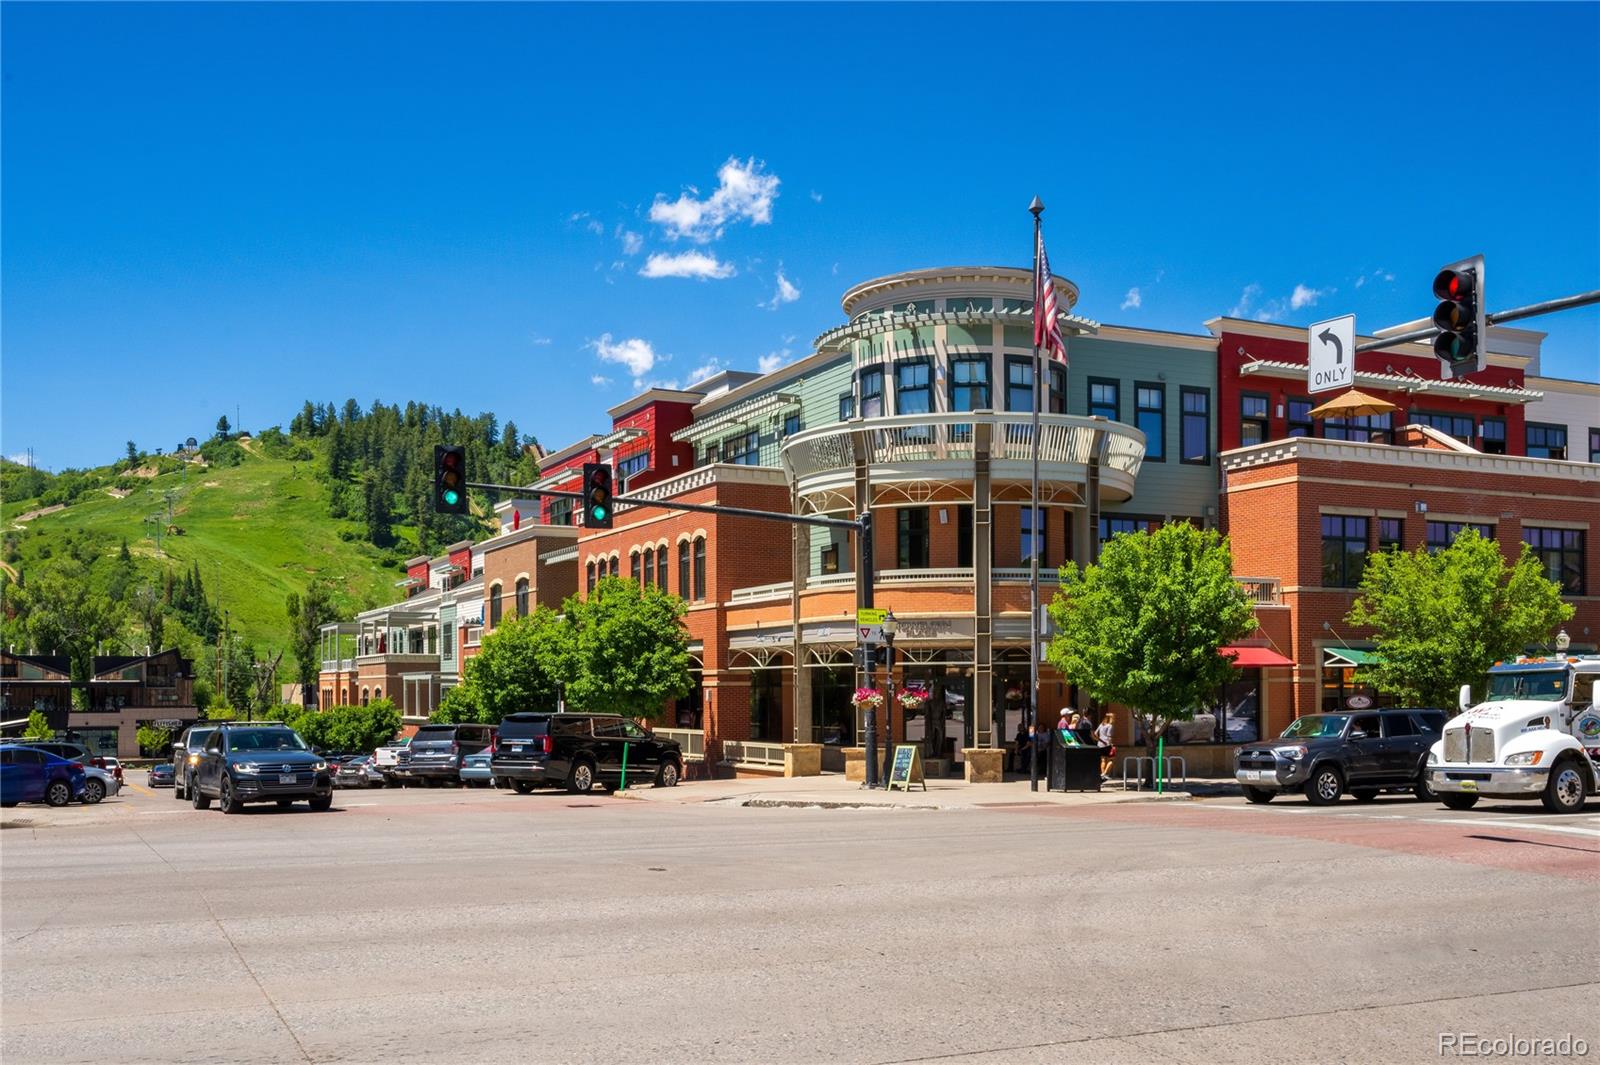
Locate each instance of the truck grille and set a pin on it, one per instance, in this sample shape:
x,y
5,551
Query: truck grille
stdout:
x,y
1456,745
1482,745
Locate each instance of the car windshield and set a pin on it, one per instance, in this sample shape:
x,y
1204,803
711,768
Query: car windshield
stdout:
x,y
1543,684
265,739
1316,726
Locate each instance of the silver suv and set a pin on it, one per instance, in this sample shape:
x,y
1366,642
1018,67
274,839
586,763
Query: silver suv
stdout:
x,y
186,755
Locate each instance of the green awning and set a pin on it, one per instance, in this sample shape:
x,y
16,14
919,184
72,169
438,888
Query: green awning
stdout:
x,y
1348,657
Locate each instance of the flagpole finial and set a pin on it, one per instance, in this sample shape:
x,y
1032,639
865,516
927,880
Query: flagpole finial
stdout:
x,y
1036,207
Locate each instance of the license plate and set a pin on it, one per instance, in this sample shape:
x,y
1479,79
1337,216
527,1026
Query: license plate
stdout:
x,y
1469,785
285,778
516,747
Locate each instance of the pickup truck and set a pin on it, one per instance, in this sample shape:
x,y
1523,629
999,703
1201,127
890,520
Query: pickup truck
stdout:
x,y
387,759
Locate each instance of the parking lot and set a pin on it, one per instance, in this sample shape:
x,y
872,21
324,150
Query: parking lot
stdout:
x,y
476,925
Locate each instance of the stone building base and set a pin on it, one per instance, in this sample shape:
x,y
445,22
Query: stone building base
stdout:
x,y
985,765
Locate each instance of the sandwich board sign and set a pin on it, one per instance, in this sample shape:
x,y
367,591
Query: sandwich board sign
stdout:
x,y
1331,347
869,625
906,769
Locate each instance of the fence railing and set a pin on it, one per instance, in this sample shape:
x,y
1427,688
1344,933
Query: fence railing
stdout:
x,y
759,592
1263,591
753,753
692,741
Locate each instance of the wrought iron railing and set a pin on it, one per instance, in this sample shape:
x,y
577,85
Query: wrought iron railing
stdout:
x,y
692,741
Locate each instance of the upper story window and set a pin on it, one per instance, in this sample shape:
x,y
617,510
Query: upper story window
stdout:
x,y
661,567
872,392
713,454
791,423
1561,551
744,450
1363,428
969,384
1441,534
634,566
1105,399
1547,441
847,406
1344,550
1033,541
1195,432
1019,383
911,391
649,566
561,512
699,568
447,643
1009,304
1300,417
1391,534
1492,436
1594,445
1456,425
1058,388
589,578
969,303
494,606
1150,418
914,307
1254,424
683,569
1116,526
522,597
633,464
911,527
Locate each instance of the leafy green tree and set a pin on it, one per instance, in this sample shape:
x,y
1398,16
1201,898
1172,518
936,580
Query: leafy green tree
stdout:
x,y
517,668
149,611
380,515
307,614
1440,621
133,454
61,612
223,428
350,728
153,740
38,728
1142,627
628,652
221,712
239,679
203,693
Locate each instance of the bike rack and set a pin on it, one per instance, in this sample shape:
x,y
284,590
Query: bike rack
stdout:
x,y
1138,770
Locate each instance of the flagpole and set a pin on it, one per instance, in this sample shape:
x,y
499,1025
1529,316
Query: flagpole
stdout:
x,y
1035,541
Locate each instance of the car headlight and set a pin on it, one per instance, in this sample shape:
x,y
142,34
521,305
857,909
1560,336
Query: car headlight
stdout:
x,y
1291,752
1525,758
246,767
319,767
1433,759
193,758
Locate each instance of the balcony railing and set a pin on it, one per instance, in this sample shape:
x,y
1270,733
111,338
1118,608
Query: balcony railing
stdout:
x,y
755,754
1263,591
692,741
338,665
1064,441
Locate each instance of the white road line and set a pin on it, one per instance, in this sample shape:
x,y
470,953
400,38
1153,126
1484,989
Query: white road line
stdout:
x,y
1569,830
1465,821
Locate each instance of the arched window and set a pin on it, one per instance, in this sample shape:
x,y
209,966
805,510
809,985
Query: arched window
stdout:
x,y
494,605
661,567
699,567
633,565
683,569
616,565
589,578
649,567
377,693
522,597
364,695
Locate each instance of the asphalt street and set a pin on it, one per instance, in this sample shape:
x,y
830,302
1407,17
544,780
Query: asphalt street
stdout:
x,y
470,925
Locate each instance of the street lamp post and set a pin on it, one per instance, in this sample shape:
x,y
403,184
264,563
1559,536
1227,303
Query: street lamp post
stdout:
x,y
890,627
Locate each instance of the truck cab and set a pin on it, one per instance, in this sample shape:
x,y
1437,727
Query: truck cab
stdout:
x,y
1535,736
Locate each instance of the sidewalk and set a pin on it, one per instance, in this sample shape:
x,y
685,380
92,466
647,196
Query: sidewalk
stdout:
x,y
832,791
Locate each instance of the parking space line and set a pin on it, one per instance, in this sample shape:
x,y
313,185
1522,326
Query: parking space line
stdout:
x,y
1539,826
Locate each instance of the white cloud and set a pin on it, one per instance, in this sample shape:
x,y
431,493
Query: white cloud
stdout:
x,y
632,243
786,293
1247,298
1307,297
577,216
772,360
693,264
594,226
816,197
599,380
1132,300
20,458
1362,280
635,354
710,368
744,191
538,341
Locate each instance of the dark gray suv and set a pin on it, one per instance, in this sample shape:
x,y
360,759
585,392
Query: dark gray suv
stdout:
x,y
1359,751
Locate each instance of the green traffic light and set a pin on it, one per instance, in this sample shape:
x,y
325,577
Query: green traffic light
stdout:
x,y
598,512
452,498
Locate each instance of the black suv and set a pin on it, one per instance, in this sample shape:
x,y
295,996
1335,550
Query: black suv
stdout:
x,y
1325,755
185,753
580,751
258,762
435,752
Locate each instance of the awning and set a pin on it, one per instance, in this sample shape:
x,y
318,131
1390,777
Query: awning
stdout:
x,y
1348,657
1253,657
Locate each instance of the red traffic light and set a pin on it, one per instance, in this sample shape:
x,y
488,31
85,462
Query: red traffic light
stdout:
x,y
1453,285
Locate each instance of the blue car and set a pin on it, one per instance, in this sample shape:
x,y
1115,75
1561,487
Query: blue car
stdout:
x,y
27,775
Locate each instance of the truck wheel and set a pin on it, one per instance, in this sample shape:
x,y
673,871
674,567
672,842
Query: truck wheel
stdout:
x,y
321,803
1456,800
1325,786
1567,789
1260,795
581,780
1423,790
226,799
667,775
1364,794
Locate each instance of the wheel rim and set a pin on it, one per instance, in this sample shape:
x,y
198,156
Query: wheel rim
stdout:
x,y
1569,788
670,774
1328,786
226,794
583,777
59,794
93,793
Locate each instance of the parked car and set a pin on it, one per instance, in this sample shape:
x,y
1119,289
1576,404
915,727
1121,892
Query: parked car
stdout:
x,y
387,759
185,753
254,762
68,749
1325,755
435,752
98,784
112,766
162,775
581,751
478,768
358,772
30,775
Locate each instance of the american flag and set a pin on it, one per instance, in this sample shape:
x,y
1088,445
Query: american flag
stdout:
x,y
1046,330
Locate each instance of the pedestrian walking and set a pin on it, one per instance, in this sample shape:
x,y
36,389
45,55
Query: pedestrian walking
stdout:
x,y
1108,750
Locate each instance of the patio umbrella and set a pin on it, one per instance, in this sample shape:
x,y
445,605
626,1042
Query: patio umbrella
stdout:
x,y
1352,404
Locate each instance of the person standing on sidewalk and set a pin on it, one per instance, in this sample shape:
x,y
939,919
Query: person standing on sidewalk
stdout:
x,y
1103,735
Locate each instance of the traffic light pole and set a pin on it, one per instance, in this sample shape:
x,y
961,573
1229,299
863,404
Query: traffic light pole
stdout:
x,y
1532,310
702,508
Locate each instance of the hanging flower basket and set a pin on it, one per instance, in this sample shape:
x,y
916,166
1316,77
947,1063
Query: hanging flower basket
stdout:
x,y
867,699
913,698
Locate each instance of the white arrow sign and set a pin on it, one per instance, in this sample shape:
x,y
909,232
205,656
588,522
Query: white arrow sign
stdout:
x,y
1332,349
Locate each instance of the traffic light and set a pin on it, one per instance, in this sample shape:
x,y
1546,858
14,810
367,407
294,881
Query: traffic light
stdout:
x,y
597,499
1460,317
449,479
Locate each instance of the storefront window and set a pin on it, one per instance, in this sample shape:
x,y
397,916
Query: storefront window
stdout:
x,y
766,704
832,716
941,724
688,711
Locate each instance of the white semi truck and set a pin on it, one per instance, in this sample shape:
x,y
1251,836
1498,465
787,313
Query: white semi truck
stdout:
x,y
1535,736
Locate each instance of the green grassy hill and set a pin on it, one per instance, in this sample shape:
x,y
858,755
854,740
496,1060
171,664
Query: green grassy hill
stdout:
x,y
258,531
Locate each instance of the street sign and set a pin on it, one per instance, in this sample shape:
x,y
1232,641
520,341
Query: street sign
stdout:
x,y
869,624
869,634
1332,348
869,616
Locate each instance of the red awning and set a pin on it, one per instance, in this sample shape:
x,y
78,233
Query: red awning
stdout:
x,y
1251,657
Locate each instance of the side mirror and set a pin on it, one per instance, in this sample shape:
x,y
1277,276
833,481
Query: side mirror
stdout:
x,y
1464,700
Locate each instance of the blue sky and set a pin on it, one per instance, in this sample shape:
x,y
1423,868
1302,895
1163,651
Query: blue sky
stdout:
x,y
211,206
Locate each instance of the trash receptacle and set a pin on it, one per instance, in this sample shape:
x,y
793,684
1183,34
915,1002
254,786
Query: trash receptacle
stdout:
x,y
1073,767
